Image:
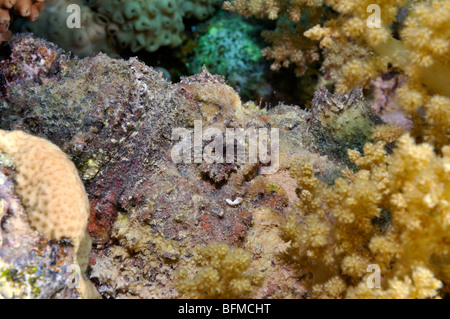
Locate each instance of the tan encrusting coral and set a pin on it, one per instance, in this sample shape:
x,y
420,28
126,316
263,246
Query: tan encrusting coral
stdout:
x,y
49,186
52,193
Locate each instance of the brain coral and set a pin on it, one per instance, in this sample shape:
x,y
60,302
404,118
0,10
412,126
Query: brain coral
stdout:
x,y
25,8
49,187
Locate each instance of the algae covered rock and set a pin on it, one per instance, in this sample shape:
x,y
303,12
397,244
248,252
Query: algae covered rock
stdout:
x,y
342,122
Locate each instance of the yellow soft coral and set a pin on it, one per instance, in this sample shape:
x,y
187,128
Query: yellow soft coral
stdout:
x,y
393,213
421,51
223,273
288,45
361,40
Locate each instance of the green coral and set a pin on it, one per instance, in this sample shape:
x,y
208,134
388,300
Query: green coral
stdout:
x,y
229,46
109,25
141,24
149,24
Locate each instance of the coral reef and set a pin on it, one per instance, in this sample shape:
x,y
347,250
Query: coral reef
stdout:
x,y
350,201
33,265
226,45
295,59
223,273
346,119
392,213
147,209
360,41
138,25
48,185
420,53
24,8
289,46
199,9
149,24
88,38
30,266
110,26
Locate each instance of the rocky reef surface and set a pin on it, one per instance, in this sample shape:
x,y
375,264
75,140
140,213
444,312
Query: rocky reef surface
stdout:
x,y
115,120
31,265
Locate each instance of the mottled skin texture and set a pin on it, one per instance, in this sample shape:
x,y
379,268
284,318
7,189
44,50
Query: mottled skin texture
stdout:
x,y
114,119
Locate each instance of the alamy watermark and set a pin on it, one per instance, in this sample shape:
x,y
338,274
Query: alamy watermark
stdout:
x,y
74,279
227,147
74,19
374,20
374,280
